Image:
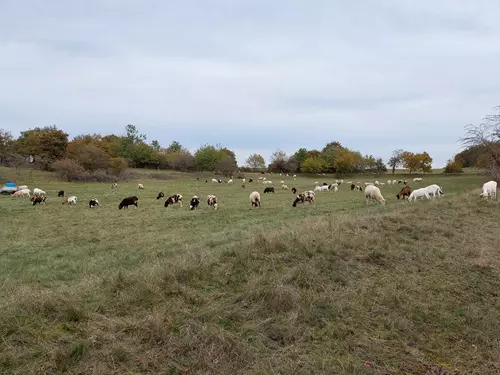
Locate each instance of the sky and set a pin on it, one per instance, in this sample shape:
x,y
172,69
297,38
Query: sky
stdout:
x,y
254,75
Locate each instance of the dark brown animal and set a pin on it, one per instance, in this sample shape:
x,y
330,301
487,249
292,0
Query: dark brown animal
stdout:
x,y
405,192
177,198
294,191
38,199
129,201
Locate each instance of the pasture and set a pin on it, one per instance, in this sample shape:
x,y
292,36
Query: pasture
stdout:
x,y
336,287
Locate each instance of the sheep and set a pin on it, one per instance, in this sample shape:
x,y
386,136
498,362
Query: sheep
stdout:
x,y
382,183
405,192
212,201
244,180
140,186
255,198
61,193
417,179
357,187
160,195
306,196
489,190
38,199
38,191
376,183
435,190
195,201
22,193
176,198
129,201
268,190
294,191
230,181
373,193
333,187
315,182
114,185
267,182
419,193
389,182
250,180
294,176
394,182
284,187
214,181
70,200
400,181
282,182
321,188
325,184
93,203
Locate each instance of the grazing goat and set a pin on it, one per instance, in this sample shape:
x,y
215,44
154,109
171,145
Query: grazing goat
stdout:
x,y
129,201
419,193
373,193
333,187
114,185
93,203
160,195
176,198
306,196
321,188
489,190
435,190
61,193
212,201
38,191
38,199
268,190
195,201
22,193
70,200
255,198
404,193
140,186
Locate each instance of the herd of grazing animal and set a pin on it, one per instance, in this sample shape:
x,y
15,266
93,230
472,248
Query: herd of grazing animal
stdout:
x,y
372,192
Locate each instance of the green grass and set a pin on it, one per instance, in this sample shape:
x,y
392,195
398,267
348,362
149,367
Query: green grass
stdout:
x,y
278,290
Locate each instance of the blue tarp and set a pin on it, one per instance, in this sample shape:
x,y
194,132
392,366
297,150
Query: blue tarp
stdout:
x,y
10,184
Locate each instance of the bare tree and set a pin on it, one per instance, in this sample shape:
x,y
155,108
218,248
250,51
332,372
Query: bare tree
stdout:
x,y
487,136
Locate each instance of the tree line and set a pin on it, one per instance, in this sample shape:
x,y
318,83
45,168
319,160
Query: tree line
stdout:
x,y
50,148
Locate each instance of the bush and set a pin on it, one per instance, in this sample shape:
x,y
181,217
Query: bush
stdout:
x,y
453,166
69,170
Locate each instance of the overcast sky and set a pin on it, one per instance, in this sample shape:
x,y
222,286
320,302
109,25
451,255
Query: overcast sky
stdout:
x,y
254,75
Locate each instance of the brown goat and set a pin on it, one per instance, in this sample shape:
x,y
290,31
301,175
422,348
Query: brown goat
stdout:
x,y
405,192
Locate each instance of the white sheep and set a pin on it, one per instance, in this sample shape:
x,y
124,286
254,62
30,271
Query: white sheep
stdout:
x,y
373,193
22,193
230,181
389,182
70,200
282,182
255,198
333,187
244,180
394,182
434,190
321,188
268,182
489,190
419,193
376,183
38,191
22,187
284,187
417,179
214,181
140,186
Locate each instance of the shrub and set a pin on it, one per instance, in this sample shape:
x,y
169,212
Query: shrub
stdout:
x,y
118,165
453,166
69,170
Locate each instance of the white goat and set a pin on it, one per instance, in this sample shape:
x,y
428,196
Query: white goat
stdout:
x,y
38,191
489,190
321,188
435,190
373,193
419,193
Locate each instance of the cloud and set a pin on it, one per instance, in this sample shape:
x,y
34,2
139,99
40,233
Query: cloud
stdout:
x,y
254,75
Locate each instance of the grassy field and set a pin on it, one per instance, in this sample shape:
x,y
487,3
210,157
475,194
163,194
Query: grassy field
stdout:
x,y
339,287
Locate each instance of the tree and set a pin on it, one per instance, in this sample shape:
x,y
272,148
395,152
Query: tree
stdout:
x,y
300,156
44,144
417,162
453,166
345,162
312,165
409,161
88,156
181,160
155,145
396,160
331,152
256,161
6,144
118,165
278,161
174,147
486,135
379,166
206,158
226,165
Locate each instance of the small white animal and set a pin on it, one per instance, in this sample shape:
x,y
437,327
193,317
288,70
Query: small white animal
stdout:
x,y
419,193
489,190
70,200
373,193
140,186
